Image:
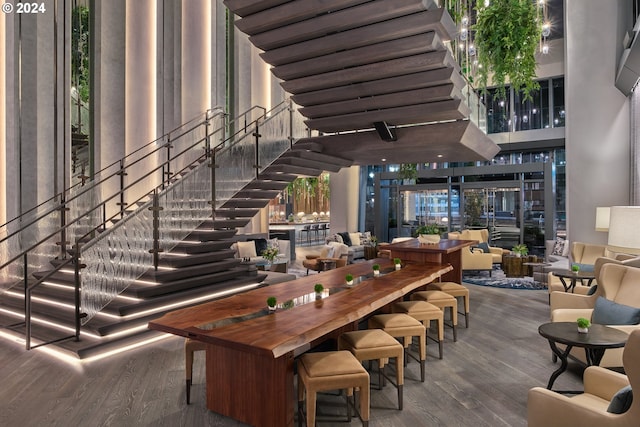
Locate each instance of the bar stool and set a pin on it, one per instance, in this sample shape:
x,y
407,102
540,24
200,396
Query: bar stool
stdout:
x,y
331,370
425,313
403,326
442,300
455,290
315,230
376,344
305,230
191,346
323,228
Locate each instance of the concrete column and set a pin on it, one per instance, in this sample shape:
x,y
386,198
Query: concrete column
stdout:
x,y
140,87
218,54
597,120
196,57
344,186
3,122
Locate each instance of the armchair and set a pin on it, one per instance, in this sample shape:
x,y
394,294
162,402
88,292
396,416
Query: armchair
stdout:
x,y
338,252
617,283
476,260
482,236
546,408
554,284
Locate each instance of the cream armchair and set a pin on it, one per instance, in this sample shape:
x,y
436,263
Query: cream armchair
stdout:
x,y
338,252
587,253
482,236
546,408
476,260
618,283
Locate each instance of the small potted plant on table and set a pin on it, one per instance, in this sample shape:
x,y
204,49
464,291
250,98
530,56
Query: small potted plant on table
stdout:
x,y
428,234
575,268
520,250
318,288
271,303
583,325
349,279
398,263
376,269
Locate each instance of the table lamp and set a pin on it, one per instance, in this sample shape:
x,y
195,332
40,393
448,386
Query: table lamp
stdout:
x,y
602,218
624,229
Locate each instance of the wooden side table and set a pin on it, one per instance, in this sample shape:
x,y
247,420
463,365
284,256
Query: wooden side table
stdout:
x,y
370,252
514,266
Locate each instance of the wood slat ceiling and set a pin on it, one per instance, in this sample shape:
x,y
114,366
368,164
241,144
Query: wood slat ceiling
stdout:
x,y
350,63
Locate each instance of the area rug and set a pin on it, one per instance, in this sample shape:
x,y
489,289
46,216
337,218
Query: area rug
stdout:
x,y
499,280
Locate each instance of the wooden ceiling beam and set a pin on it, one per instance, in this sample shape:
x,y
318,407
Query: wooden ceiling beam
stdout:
x,y
407,82
437,20
406,46
288,13
358,16
418,113
396,99
377,71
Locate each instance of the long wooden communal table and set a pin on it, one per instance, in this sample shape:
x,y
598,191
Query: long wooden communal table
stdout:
x,y
250,354
445,252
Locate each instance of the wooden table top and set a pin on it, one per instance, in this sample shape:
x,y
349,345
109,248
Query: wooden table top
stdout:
x,y
444,246
289,330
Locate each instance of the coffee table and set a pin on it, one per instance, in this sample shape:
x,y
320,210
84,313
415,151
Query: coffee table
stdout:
x,y
595,342
574,276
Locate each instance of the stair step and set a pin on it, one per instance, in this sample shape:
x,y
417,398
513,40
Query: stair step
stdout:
x,y
298,170
206,235
230,223
246,203
287,177
193,259
266,185
257,194
323,158
305,163
236,213
196,247
163,276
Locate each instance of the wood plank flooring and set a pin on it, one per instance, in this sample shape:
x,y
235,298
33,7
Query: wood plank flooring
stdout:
x,y
482,381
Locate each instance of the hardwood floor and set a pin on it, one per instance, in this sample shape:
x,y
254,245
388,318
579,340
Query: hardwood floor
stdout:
x,y
482,381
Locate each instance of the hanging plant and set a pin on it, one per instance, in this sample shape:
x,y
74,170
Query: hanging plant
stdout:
x,y
507,34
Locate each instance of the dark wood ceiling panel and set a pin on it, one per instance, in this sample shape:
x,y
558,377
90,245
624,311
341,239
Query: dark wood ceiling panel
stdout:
x,y
437,20
418,113
247,7
406,46
377,71
396,99
442,142
345,19
407,82
288,13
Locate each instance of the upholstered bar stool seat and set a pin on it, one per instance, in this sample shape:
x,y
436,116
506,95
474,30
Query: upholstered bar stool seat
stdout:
x,y
191,346
455,290
376,344
442,300
331,370
424,312
403,326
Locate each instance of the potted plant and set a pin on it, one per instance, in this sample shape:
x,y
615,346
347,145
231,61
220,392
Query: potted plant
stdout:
x,y
270,253
428,234
520,250
376,269
583,325
398,263
271,303
318,288
575,268
349,279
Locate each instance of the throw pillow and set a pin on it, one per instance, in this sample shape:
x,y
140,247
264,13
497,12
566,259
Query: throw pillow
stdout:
x,y
621,401
592,290
365,238
345,238
558,247
484,246
355,239
607,312
247,249
334,238
261,244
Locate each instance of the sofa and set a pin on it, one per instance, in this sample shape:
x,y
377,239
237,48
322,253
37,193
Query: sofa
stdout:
x,y
356,241
251,247
618,285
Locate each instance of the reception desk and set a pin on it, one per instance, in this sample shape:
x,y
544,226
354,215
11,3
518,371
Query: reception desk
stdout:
x,y
250,353
445,252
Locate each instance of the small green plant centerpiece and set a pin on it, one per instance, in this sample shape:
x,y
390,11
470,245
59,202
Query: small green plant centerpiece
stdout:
x,y
428,234
349,279
376,269
318,288
583,325
398,263
575,268
271,303
520,250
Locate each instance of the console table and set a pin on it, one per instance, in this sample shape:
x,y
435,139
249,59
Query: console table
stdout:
x,y
250,353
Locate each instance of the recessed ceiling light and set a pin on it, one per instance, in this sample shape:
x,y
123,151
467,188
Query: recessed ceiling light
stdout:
x,y
384,160
440,156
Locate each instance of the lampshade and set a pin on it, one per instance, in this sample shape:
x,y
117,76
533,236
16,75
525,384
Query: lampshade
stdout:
x,y
602,218
624,229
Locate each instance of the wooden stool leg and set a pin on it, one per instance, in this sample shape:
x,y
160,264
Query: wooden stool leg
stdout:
x,y
454,320
466,310
440,335
188,367
311,408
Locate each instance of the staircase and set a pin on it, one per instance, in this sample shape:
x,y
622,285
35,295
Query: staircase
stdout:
x,y
196,268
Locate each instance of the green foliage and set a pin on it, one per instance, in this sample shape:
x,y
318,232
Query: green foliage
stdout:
x,y
272,301
375,267
80,51
397,261
318,288
520,249
408,171
583,323
473,208
348,277
507,34
427,229
575,267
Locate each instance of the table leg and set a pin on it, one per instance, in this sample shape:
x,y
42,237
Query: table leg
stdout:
x,y
594,356
562,355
